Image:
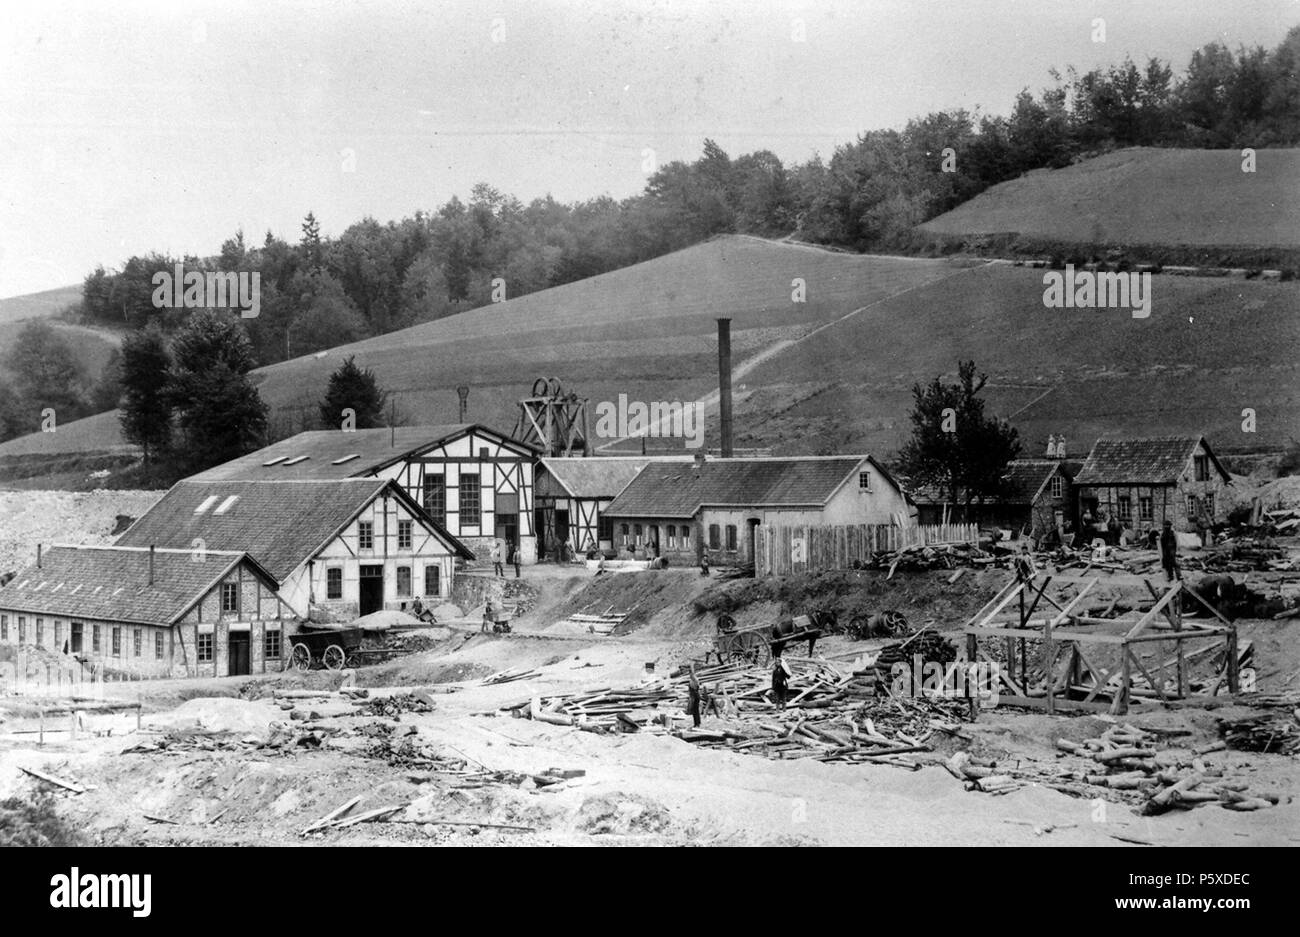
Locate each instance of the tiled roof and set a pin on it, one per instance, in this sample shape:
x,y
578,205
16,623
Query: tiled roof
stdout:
x,y
325,453
599,476
680,489
1026,478
280,523
112,583
1156,460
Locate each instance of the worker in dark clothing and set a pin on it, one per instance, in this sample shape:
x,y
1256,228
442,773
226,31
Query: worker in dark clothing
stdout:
x,y
1169,553
1218,591
694,698
513,558
780,681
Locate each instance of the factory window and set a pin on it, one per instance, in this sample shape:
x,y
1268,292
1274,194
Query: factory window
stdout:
x,y
672,536
605,529
435,497
731,536
4,627
1145,508
1201,466
22,629
366,535
622,529
403,580
40,632
230,597
58,635
139,641
271,645
158,645
95,644
334,583
470,501
77,629
431,574
686,538
203,647
864,481
483,453
117,642
403,535
1125,511
636,533
1058,487
715,536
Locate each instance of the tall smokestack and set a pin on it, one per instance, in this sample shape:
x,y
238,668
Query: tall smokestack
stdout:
x,y
38,556
463,393
724,383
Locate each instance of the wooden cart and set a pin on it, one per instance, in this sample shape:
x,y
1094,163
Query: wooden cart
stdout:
x,y
750,644
333,650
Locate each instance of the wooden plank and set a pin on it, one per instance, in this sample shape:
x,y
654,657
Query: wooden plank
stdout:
x,y
51,779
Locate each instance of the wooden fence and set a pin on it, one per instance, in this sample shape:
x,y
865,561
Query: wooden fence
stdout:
x,y
779,551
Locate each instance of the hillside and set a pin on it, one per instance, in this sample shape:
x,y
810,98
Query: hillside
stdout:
x,y
1145,195
39,305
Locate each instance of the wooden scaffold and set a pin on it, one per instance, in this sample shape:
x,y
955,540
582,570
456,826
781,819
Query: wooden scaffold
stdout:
x,y
1073,644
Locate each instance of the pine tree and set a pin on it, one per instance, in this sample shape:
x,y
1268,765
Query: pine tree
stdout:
x,y
146,410
353,388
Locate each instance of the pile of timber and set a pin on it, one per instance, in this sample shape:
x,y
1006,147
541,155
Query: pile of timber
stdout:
x,y
1125,763
929,644
830,714
416,702
595,624
937,556
1275,730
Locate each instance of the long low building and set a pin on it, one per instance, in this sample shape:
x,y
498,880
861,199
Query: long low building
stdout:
x,y
685,510
336,548
148,612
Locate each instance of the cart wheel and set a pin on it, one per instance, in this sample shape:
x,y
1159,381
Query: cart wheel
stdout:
x,y
750,646
301,658
334,658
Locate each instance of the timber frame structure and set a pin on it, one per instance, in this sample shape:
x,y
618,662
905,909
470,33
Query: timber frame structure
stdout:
x,y
552,421
1073,682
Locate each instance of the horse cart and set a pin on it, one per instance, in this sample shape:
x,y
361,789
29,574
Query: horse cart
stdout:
x,y
335,648
758,645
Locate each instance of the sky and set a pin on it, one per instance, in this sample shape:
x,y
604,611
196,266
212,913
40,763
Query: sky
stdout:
x,y
138,126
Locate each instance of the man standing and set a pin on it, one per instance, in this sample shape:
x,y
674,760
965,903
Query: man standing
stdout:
x,y
780,681
496,559
1169,553
694,697
513,558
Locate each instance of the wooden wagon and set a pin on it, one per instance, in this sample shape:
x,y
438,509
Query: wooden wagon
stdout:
x,y
332,649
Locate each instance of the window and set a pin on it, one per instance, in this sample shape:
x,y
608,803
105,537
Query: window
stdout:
x,y
672,536
636,533
470,500
435,497
40,632
229,597
139,641
1207,504
403,535
483,453
1201,467
731,536
22,628
686,538
117,642
403,580
864,481
623,531
1191,505
334,583
366,535
271,645
431,584
158,645
78,636
715,536
1146,510
4,627
605,529
1125,511
203,647
1058,487
58,635
94,639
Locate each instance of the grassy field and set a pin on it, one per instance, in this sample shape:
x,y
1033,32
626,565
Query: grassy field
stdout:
x,y
92,346
39,305
1145,196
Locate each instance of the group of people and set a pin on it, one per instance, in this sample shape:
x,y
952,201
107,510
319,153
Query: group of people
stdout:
x,y
511,554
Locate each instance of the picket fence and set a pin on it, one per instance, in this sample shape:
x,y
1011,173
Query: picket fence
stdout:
x,y
781,550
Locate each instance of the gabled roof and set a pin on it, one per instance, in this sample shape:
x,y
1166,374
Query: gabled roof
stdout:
x,y
1157,460
681,489
598,476
280,523
112,583
337,454
1026,479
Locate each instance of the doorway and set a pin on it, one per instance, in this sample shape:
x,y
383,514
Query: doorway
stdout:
x,y
239,644
371,598
752,525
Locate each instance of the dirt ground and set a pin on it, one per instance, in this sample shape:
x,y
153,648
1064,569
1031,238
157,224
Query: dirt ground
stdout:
x,y
634,789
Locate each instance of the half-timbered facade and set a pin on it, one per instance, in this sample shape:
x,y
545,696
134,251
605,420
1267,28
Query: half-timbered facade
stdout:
x,y
475,483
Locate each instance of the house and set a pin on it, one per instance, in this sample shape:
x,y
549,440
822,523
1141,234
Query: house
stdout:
x,y
1144,482
573,493
1039,497
335,549
476,483
149,612
714,505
